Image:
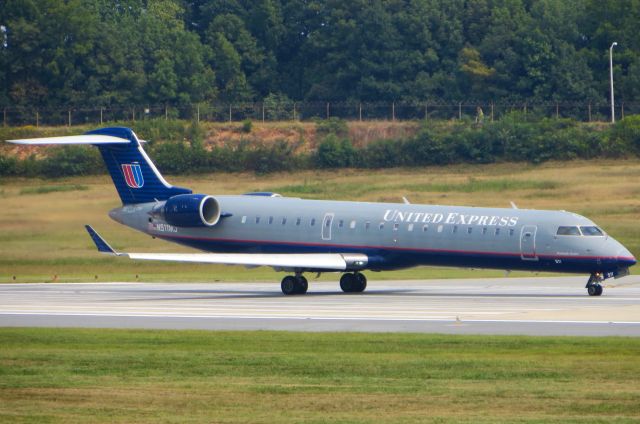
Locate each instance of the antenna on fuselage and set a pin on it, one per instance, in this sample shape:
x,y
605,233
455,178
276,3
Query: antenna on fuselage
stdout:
x,y
406,202
513,205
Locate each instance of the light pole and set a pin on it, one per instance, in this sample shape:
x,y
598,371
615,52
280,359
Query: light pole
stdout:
x,y
613,110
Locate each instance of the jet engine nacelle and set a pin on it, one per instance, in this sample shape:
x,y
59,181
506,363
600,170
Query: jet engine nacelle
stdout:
x,y
191,210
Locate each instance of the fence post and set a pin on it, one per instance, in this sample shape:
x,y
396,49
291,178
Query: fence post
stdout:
x,y
460,110
294,111
37,119
393,111
589,111
69,117
360,111
622,110
327,110
557,110
133,114
525,108
4,114
491,111
263,112
230,113
426,111
166,113
101,116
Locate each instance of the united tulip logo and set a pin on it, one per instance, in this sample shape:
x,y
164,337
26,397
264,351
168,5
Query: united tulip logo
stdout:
x,y
133,175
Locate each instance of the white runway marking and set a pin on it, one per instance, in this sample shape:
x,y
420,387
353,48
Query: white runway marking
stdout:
x,y
499,306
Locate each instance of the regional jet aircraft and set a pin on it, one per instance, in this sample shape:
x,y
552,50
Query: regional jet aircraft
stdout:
x,y
299,235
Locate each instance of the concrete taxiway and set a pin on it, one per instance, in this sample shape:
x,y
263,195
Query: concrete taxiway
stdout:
x,y
531,306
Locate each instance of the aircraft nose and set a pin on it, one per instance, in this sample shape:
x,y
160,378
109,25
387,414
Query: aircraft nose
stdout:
x,y
625,258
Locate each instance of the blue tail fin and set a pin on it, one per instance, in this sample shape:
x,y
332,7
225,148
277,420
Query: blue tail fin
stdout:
x,y
136,178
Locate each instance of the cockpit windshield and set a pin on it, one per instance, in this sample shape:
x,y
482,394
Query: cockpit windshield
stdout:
x,y
591,231
582,231
568,231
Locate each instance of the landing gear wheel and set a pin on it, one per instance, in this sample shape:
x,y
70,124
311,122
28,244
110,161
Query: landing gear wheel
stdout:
x,y
348,282
289,285
594,288
361,283
301,285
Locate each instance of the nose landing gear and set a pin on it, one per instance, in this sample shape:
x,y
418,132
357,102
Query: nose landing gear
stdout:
x,y
594,288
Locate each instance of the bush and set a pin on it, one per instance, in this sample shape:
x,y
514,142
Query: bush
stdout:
x,y
70,160
381,154
625,135
335,126
247,126
335,153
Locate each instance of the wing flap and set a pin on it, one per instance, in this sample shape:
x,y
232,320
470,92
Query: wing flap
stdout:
x,y
325,261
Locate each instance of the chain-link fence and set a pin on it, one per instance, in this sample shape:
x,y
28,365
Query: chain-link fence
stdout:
x,y
305,111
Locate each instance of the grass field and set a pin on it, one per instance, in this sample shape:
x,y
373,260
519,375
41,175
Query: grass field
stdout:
x,y
42,236
120,376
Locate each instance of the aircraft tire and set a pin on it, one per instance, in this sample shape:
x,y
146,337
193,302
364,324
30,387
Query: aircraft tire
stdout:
x,y
361,283
302,285
289,285
594,289
348,282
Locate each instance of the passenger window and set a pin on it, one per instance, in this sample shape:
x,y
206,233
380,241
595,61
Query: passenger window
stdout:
x,y
511,231
298,221
367,225
497,231
313,222
244,219
484,230
568,231
455,229
340,223
257,219
440,227
284,220
395,226
353,224
381,225
270,220
469,230
591,231
410,227
425,228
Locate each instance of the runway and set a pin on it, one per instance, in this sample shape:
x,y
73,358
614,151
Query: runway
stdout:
x,y
527,306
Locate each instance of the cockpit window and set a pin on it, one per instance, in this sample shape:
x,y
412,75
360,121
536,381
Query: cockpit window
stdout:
x,y
568,231
591,231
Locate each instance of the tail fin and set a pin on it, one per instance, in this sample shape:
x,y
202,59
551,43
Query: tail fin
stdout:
x,y
136,178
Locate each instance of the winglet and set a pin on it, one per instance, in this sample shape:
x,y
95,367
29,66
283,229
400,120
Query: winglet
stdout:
x,y
103,246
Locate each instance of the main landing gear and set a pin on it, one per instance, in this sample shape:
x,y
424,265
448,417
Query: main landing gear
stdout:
x,y
353,283
349,283
294,284
594,288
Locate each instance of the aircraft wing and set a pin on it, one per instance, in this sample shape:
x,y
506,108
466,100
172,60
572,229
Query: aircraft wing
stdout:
x,y
278,261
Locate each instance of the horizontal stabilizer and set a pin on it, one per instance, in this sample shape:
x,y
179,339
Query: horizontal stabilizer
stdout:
x,y
93,139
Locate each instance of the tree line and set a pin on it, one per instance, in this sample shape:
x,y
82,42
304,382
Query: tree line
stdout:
x,y
123,52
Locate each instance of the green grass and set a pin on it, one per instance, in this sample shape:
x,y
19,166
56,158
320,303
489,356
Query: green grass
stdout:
x,y
121,376
53,189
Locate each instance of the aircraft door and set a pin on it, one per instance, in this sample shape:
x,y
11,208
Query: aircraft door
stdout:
x,y
326,225
528,243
